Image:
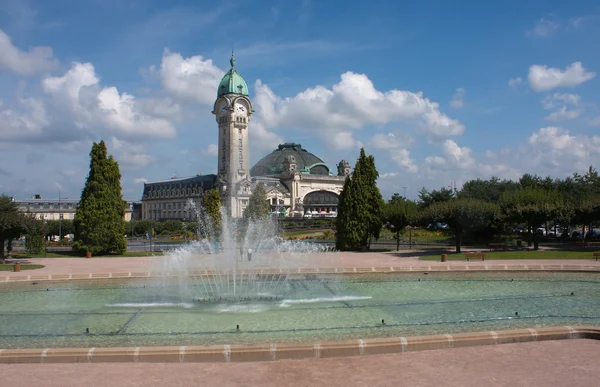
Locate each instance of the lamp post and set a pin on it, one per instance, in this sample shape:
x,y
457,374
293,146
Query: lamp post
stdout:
x,y
60,217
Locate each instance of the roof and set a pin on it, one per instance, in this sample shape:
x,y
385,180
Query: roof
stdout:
x,y
306,162
232,82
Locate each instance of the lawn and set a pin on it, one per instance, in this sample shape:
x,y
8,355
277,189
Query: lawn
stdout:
x,y
523,254
74,254
303,233
11,267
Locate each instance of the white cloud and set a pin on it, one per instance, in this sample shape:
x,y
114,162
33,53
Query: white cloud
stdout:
x,y
402,158
595,121
140,180
556,100
544,28
129,155
389,141
78,93
563,113
457,101
558,103
542,77
349,105
33,61
555,149
388,175
25,121
460,164
211,150
192,79
515,82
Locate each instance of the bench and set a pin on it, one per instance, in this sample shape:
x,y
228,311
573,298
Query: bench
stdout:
x,y
493,246
597,255
475,256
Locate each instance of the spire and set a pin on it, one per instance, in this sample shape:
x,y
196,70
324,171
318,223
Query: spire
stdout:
x,y
232,60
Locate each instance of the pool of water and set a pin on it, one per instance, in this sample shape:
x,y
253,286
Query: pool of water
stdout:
x,y
164,311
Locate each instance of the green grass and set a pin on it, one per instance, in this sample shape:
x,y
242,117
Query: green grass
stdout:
x,y
303,232
74,254
527,254
11,267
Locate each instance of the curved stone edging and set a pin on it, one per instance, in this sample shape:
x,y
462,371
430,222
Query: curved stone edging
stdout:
x,y
281,351
332,270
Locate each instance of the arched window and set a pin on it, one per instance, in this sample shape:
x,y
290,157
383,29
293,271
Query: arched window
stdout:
x,y
321,198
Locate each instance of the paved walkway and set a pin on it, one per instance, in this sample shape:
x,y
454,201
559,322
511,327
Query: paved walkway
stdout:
x,y
321,260
561,363
570,363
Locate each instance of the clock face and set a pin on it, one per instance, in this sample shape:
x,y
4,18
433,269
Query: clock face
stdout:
x,y
222,109
239,108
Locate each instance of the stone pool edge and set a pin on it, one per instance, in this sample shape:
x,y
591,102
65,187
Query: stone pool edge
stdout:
x,y
302,350
333,270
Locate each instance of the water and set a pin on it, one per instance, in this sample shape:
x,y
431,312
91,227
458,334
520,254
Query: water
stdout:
x,y
326,307
225,264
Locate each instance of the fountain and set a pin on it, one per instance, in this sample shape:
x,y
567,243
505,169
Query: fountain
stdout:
x,y
243,261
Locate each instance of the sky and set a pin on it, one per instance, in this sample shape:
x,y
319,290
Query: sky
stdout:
x,y
439,92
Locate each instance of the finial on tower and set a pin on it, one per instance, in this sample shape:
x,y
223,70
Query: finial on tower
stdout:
x,y
232,60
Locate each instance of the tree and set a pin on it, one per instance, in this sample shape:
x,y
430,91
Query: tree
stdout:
x,y
13,223
398,213
34,240
360,210
427,198
464,215
212,205
258,207
99,220
531,205
486,190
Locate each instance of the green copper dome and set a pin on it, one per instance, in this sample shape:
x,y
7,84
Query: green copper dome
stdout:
x,y
232,82
306,162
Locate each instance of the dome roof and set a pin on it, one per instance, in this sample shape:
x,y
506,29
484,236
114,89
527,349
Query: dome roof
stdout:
x,y
306,162
232,82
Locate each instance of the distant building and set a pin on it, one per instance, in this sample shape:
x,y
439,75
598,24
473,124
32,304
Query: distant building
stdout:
x,y
297,182
56,209
168,199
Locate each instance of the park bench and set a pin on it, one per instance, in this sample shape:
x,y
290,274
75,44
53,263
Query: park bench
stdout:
x,y
475,256
497,246
597,255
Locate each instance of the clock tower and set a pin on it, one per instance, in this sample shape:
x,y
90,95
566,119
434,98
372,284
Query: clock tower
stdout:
x,y
232,110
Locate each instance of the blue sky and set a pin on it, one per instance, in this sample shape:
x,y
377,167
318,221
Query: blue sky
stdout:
x,y
437,91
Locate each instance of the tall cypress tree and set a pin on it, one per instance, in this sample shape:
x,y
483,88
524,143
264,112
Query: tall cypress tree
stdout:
x,y
258,206
360,209
99,220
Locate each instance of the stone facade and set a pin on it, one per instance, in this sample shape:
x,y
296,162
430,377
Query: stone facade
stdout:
x,y
297,182
56,209
168,199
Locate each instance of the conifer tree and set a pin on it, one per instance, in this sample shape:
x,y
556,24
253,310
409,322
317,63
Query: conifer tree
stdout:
x,y
212,205
99,220
258,207
360,209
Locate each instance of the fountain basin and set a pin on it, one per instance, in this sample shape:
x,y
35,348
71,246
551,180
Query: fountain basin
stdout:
x,y
313,307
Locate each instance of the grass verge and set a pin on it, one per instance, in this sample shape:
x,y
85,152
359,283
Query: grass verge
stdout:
x,y
522,254
10,267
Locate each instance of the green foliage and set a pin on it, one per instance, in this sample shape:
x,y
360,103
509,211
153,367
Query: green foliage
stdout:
x,y
34,240
464,215
58,227
212,205
13,224
99,221
486,190
258,206
397,214
427,198
531,205
360,210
